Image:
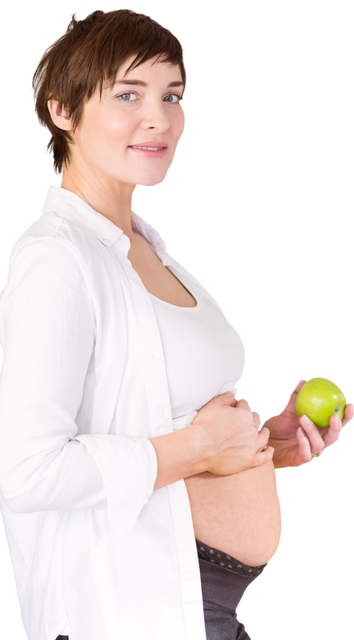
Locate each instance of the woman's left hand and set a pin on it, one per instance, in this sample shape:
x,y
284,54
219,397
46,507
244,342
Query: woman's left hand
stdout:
x,y
291,448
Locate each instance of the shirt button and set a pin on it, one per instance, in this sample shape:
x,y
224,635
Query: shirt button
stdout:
x,y
106,240
176,264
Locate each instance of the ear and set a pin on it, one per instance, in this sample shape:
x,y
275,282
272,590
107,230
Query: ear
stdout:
x,y
59,115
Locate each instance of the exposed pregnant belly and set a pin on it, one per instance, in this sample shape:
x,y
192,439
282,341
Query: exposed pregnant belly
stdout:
x,y
237,514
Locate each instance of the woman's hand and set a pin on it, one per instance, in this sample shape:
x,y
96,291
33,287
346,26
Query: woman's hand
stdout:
x,y
228,436
295,439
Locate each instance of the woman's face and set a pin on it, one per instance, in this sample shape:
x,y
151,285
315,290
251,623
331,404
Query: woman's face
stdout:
x,y
143,107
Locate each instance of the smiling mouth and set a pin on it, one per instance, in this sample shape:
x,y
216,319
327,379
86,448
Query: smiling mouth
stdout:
x,y
148,148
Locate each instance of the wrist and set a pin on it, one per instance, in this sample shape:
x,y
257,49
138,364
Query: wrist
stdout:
x,y
203,450
180,454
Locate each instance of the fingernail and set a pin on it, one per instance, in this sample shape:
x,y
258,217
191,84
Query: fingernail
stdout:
x,y
306,420
301,431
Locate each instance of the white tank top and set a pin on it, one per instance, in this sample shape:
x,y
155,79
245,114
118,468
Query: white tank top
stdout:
x,y
204,356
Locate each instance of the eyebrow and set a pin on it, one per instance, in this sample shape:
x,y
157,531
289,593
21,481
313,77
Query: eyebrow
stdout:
x,y
177,83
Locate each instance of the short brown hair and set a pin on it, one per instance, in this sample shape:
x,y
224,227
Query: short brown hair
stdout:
x,y
89,54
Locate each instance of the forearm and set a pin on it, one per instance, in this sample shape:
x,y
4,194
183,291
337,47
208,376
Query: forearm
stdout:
x,y
179,455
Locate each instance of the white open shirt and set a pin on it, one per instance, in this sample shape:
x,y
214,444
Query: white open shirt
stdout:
x,y
97,553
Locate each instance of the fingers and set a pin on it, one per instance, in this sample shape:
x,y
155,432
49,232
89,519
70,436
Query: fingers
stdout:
x,y
315,439
263,437
242,404
348,414
263,457
258,419
298,384
304,454
332,434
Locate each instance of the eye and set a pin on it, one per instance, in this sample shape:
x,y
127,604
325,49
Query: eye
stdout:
x,y
179,99
126,94
176,96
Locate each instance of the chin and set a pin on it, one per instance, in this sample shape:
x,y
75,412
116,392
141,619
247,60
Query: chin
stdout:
x,y
150,180
148,186
153,184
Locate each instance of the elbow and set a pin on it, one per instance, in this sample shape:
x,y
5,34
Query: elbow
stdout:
x,y
16,498
16,502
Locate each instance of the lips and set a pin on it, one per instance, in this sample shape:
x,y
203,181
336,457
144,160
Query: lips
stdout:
x,y
150,143
149,152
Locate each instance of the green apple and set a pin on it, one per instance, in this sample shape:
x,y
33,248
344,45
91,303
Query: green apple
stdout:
x,y
319,399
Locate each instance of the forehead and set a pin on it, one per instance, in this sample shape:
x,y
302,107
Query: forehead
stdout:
x,y
150,71
149,67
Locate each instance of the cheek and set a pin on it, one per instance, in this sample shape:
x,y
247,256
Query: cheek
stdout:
x,y
115,125
178,125
106,130
184,125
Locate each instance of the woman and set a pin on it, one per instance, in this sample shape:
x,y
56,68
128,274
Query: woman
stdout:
x,y
139,497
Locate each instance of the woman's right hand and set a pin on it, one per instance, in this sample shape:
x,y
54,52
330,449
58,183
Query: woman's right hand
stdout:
x,y
229,436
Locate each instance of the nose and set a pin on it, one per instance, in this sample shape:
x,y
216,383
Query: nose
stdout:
x,y
155,116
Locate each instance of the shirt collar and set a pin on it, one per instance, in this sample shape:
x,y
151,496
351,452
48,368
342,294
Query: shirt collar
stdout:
x,y
75,208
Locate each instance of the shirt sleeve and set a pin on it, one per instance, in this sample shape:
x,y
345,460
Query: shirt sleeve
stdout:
x,y
47,329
